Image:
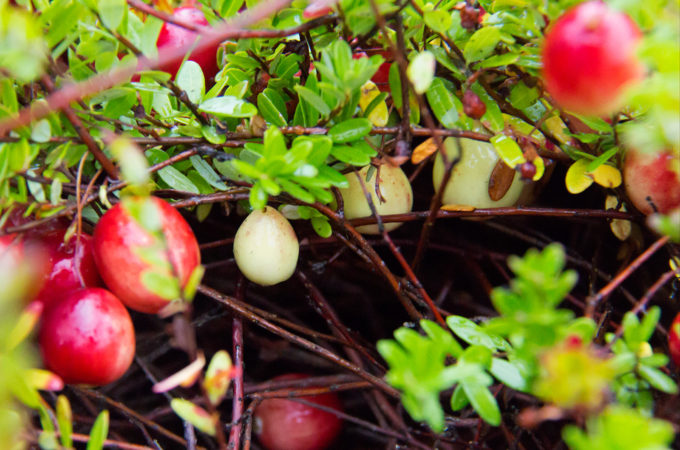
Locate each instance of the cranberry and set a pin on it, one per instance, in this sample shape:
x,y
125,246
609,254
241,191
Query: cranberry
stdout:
x,y
589,58
285,424
473,106
71,266
117,238
15,251
674,341
527,170
87,338
173,36
652,178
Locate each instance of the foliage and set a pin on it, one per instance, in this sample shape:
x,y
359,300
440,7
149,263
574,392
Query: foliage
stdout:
x,y
548,352
302,110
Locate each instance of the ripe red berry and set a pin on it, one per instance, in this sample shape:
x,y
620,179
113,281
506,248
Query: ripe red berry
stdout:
x,y
589,58
473,106
71,266
20,257
674,341
652,178
118,238
173,36
285,424
87,338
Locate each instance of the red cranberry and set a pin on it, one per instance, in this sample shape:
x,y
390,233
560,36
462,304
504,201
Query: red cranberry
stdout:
x,y
71,266
117,237
15,250
674,341
285,424
473,106
469,17
589,58
652,178
527,170
87,338
173,36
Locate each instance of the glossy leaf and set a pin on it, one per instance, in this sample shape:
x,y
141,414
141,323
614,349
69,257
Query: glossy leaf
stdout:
x,y
350,130
443,103
228,106
65,421
218,376
481,44
508,150
421,71
577,179
99,432
194,414
190,79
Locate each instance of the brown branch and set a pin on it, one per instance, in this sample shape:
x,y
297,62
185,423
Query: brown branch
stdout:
x,y
85,135
240,309
237,345
623,275
62,98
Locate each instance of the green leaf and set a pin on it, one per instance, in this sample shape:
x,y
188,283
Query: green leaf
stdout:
x,y
470,332
658,379
508,374
350,155
194,414
272,107
481,44
274,143
483,402
192,283
498,60
112,12
258,196
207,172
227,8
41,131
228,106
133,164
508,150
296,191
438,20
65,421
99,432
190,79
177,180
218,376
313,99
55,191
458,399
350,130
161,284
443,103
321,226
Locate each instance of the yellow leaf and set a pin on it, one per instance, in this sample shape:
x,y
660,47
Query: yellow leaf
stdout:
x,y
558,129
607,176
423,151
518,126
674,264
44,380
378,116
540,168
577,179
621,228
457,208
